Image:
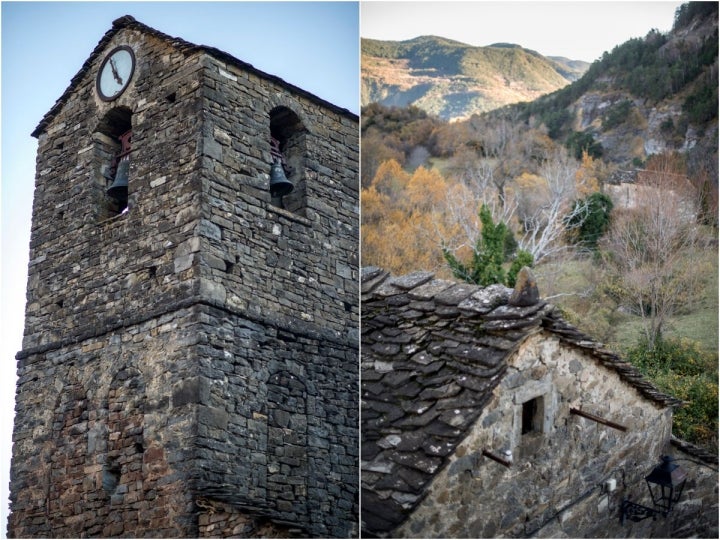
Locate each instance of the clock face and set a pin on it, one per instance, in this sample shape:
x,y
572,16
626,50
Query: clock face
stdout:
x,y
115,73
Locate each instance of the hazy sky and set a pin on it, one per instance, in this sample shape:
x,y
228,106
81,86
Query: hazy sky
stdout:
x,y
576,30
314,46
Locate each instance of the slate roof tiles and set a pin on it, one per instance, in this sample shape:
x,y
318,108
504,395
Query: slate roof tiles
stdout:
x,y
433,351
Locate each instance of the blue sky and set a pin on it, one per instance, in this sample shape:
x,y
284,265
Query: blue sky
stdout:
x,y
314,46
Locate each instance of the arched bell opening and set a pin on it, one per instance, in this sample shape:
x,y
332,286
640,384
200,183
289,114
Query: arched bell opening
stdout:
x,y
288,151
113,146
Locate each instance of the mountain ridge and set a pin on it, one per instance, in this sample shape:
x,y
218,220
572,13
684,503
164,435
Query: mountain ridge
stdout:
x,y
646,96
454,80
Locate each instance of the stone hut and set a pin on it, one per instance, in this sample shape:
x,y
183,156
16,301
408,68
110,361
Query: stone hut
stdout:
x,y
484,414
190,355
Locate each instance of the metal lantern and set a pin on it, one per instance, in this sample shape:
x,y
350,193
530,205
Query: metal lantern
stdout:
x,y
666,483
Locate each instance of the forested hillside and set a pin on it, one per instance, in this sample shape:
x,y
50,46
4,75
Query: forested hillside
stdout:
x,y
608,188
646,96
453,80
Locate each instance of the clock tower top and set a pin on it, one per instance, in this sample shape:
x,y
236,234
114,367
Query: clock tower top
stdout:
x,y
180,312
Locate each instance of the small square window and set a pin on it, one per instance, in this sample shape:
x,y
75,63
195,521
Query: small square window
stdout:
x,y
533,412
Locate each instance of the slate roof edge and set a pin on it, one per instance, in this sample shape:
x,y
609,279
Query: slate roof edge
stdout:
x,y
553,322
128,21
694,450
372,278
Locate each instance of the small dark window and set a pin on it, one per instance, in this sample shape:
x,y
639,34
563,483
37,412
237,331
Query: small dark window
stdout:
x,y
532,416
110,477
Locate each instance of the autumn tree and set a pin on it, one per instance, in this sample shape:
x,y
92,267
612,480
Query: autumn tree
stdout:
x,y
375,151
545,220
652,249
391,180
405,134
489,160
403,219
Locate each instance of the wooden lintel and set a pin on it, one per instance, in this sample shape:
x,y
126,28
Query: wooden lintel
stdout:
x,y
597,419
497,458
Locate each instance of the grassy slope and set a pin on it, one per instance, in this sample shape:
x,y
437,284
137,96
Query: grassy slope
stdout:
x,y
701,325
623,330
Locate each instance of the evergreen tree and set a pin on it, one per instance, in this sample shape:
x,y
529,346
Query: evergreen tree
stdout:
x,y
486,265
587,227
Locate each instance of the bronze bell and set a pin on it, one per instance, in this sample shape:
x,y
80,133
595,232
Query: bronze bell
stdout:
x,y
119,188
279,184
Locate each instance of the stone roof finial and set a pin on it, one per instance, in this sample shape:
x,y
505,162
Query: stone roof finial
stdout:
x,y
526,291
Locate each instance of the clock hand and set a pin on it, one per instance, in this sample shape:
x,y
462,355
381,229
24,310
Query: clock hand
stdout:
x,y
115,72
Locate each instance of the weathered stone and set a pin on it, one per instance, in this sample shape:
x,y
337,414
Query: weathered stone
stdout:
x,y
491,387
201,345
410,281
454,295
486,299
526,291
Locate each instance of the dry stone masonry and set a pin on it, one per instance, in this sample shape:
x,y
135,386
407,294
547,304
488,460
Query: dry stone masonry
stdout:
x,y
189,364
486,415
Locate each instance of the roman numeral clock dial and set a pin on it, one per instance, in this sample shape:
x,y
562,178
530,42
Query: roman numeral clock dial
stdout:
x,y
115,73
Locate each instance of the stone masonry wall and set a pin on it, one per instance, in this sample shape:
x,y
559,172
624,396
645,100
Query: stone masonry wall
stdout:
x,y
103,436
219,520
84,267
300,265
202,345
104,301
287,449
283,285
554,485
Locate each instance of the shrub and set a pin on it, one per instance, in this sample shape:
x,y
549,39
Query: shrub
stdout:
x,y
681,368
523,258
579,142
616,114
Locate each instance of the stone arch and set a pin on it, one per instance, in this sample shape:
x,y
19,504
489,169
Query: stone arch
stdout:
x,y
67,457
285,101
122,477
113,128
287,443
288,137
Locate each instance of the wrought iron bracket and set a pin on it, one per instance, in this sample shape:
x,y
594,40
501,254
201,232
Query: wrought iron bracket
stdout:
x,y
638,512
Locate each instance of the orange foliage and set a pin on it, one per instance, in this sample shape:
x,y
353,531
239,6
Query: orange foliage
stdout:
x,y
426,189
390,179
403,223
586,177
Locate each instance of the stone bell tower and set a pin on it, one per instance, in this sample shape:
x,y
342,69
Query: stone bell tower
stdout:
x,y
190,357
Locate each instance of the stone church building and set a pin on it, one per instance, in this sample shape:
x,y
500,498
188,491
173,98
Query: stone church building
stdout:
x,y
484,415
189,366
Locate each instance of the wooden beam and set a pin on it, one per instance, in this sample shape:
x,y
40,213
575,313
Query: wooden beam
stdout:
x,y
597,419
497,458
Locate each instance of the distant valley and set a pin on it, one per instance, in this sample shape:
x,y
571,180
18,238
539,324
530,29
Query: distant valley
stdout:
x,y
453,80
